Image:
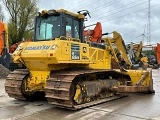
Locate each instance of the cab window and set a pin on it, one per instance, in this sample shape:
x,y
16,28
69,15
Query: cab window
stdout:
x,y
72,28
47,27
69,27
76,29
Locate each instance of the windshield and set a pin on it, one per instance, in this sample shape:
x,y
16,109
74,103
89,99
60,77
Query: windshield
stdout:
x,y
47,27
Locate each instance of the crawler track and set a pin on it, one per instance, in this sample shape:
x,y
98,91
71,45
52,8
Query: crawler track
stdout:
x,y
14,83
60,88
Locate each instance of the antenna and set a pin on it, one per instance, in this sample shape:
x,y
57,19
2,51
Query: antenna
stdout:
x,y
149,24
143,35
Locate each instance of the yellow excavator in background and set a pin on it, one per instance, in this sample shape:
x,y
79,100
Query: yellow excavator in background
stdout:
x,y
121,52
130,56
117,42
73,70
136,55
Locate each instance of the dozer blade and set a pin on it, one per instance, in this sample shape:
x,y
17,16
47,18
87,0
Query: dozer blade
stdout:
x,y
134,89
141,82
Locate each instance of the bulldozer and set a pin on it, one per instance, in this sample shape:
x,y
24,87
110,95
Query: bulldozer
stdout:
x,y
72,70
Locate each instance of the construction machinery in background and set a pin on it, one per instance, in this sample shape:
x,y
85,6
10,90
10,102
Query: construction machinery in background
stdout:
x,y
5,57
158,53
129,55
137,57
135,50
13,66
73,71
13,47
6,50
117,42
150,51
132,55
121,51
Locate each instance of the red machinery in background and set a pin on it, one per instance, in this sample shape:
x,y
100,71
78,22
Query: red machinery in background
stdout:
x,y
13,47
5,57
95,34
6,51
158,53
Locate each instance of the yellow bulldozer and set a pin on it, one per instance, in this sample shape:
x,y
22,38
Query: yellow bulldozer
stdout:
x,y
73,71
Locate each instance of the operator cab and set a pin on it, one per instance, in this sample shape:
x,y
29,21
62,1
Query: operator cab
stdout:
x,y
54,24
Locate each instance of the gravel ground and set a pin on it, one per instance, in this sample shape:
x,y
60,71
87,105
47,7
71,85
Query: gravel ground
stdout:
x,y
134,107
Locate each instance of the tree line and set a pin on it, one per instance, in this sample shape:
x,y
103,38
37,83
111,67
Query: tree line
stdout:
x,y
21,18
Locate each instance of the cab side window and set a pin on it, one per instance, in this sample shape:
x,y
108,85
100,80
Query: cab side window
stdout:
x,y
69,27
72,27
76,29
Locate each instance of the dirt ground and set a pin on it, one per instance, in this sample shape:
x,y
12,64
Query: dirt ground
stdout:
x,y
133,107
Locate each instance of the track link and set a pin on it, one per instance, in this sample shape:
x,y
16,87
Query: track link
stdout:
x,y
59,88
14,83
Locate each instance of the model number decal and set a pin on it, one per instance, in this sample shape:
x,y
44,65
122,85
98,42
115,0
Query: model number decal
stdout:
x,y
43,47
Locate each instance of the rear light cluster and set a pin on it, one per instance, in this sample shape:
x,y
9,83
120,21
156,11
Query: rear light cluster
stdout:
x,y
51,54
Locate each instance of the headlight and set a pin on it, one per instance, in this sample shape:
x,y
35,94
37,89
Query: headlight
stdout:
x,y
19,48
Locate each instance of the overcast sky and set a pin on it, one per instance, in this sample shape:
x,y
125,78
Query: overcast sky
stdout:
x,y
128,17
115,15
